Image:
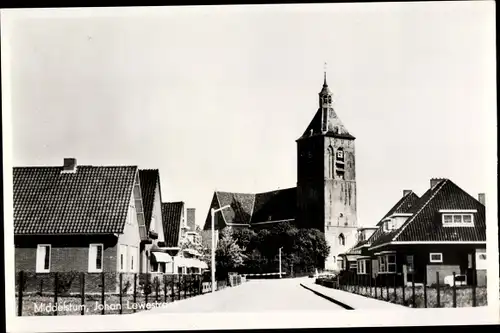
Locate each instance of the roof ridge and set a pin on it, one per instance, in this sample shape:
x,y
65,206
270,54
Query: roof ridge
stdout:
x,y
421,208
279,190
172,202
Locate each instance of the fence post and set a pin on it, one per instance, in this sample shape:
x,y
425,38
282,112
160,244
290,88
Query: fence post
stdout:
x,y
403,294
425,290
179,287
165,288
135,291
102,292
413,287
82,292
185,284
387,288
56,284
454,292
146,289
173,287
121,288
157,287
375,283
20,296
438,292
395,289
370,282
474,287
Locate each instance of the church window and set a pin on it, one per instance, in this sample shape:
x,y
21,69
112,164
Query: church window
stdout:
x,y
325,119
341,239
340,154
325,99
329,99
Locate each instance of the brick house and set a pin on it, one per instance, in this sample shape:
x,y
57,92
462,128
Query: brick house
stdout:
x,y
443,231
77,218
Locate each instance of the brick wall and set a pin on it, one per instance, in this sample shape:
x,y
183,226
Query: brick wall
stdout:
x,y
68,253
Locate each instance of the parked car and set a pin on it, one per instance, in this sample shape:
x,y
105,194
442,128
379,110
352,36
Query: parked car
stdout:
x,y
460,280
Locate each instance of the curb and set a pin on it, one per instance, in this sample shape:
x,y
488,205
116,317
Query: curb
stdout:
x,y
345,306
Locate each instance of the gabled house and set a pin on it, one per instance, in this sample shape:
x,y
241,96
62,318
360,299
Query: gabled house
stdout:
x,y
444,232
78,218
153,258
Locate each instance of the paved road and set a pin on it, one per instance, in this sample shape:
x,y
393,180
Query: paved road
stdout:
x,y
254,296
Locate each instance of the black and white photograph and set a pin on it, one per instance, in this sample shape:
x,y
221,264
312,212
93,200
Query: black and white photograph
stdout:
x,y
250,166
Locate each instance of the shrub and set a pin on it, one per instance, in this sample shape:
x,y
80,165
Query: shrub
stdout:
x,y
64,282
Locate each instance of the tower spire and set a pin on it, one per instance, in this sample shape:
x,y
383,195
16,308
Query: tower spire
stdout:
x,y
324,83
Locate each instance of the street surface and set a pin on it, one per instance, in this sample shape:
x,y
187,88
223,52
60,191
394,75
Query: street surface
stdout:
x,y
253,296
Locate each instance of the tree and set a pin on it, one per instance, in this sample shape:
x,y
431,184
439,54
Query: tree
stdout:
x,y
228,254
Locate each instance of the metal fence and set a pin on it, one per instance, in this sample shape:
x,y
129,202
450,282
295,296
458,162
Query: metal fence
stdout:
x,y
412,294
81,293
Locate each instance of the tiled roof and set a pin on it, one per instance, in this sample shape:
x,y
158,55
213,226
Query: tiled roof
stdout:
x,y
426,225
404,205
171,217
240,209
246,208
148,179
360,243
92,200
275,206
336,127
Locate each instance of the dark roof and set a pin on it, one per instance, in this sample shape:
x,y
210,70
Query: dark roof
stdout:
x,y
402,206
275,205
425,224
149,179
92,200
246,208
171,217
336,128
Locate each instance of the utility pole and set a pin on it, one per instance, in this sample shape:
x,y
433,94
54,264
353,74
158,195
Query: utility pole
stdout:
x,y
213,211
280,259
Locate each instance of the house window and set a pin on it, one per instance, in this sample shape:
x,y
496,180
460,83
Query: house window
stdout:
x,y
353,265
389,225
436,257
409,262
95,258
362,266
123,258
391,263
387,263
179,270
43,258
458,220
382,264
341,239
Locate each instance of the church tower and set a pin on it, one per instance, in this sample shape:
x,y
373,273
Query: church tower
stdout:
x,y
326,179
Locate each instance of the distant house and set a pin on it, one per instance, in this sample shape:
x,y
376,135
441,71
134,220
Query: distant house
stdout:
x,y
79,218
444,231
185,260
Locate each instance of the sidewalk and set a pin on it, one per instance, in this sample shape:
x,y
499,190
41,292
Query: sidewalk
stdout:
x,y
349,300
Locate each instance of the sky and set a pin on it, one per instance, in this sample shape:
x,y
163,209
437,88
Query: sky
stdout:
x,y
215,97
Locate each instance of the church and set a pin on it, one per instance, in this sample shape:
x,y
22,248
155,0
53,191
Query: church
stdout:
x,y
325,195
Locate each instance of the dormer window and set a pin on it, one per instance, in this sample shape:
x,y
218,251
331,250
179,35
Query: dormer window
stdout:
x,y
458,220
389,225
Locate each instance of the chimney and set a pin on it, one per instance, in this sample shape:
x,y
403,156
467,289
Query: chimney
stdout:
x,y
69,165
481,198
190,218
406,192
435,181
